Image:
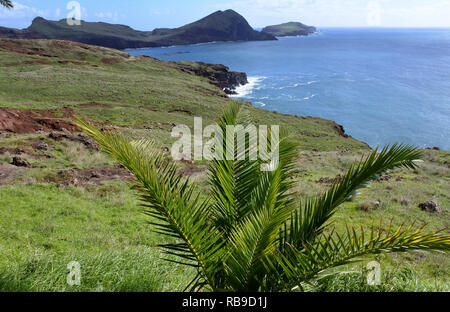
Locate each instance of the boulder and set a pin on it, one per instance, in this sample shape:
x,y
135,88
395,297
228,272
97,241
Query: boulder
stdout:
x,y
431,207
19,162
41,146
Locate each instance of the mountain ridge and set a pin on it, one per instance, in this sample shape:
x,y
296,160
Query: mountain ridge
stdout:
x,y
219,26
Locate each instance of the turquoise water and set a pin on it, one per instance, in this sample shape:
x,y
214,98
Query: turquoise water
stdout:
x,y
383,85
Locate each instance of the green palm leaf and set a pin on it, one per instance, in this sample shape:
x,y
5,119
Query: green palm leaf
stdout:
x,y
310,220
176,208
256,237
333,250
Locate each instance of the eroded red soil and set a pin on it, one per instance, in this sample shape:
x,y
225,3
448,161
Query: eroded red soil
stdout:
x,y
25,121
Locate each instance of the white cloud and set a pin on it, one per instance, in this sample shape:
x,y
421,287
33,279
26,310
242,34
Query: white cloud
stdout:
x,y
107,15
343,12
22,11
163,12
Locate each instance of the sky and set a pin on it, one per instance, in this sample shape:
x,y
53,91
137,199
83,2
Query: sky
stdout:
x,y
150,14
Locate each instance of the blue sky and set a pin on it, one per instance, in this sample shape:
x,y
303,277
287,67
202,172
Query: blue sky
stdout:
x,y
150,14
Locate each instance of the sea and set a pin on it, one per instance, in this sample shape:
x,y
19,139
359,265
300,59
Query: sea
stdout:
x,y
383,85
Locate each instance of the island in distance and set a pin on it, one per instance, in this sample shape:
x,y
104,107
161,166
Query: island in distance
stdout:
x,y
219,26
290,29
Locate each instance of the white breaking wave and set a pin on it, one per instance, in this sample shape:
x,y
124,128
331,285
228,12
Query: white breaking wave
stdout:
x,y
299,84
262,104
309,97
247,89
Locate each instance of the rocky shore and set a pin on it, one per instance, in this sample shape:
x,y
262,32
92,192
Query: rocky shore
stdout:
x,y
218,74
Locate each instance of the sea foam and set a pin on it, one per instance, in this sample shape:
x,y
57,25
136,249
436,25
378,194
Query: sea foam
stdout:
x,y
247,89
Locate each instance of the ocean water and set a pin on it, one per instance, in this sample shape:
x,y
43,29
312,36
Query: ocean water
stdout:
x,y
383,85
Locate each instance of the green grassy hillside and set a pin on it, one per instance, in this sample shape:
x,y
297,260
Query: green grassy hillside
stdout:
x,y
72,203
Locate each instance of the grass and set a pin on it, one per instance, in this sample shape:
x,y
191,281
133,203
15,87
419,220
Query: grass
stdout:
x,y
100,227
44,225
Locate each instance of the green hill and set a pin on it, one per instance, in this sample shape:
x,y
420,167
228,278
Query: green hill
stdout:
x,y
219,26
63,200
290,29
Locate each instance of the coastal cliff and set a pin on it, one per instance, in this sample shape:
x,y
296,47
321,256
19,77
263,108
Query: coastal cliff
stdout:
x,y
218,74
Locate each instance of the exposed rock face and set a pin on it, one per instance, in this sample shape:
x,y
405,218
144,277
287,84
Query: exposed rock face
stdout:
x,y
41,146
219,75
19,33
340,129
431,207
290,29
219,26
80,138
92,176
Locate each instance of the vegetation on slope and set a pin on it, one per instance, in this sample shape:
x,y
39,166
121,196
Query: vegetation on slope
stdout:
x,y
219,26
74,204
290,29
253,233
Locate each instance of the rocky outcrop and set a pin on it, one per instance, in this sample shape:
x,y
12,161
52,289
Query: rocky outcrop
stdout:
x,y
218,74
431,207
79,138
20,162
13,33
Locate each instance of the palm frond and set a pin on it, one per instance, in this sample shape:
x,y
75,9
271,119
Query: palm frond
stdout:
x,y
333,250
310,220
240,185
256,236
175,206
232,180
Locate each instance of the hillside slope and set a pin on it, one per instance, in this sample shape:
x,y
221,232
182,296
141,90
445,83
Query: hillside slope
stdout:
x,y
63,200
219,26
140,90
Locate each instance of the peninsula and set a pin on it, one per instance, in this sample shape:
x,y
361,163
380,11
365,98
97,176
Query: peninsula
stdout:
x,y
220,26
290,29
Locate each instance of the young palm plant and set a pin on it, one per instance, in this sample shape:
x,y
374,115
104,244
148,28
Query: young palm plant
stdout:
x,y
252,233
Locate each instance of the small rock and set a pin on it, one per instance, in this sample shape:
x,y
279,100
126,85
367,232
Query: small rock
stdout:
x,y
42,146
95,175
431,207
19,162
375,204
366,206
229,91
